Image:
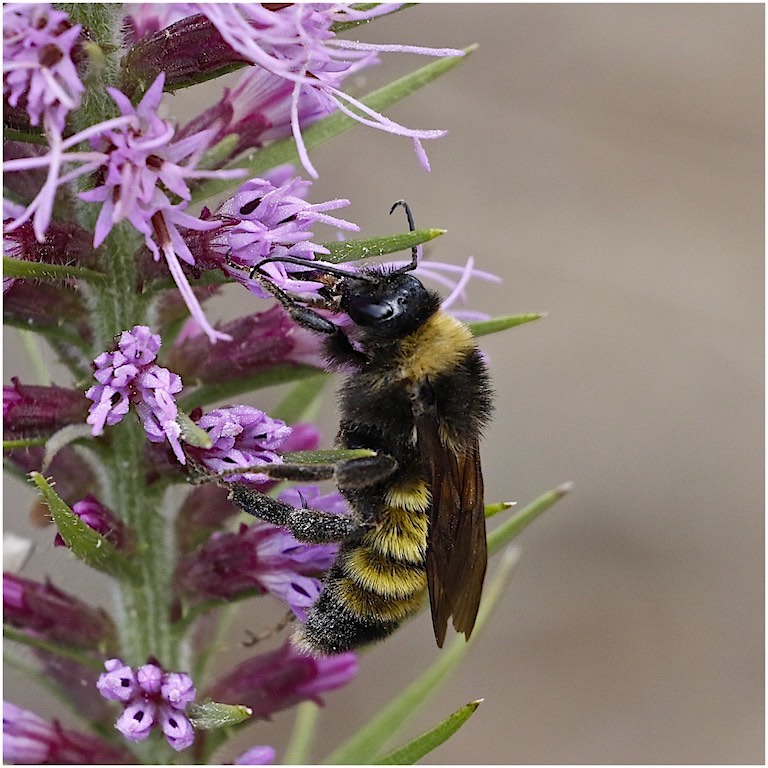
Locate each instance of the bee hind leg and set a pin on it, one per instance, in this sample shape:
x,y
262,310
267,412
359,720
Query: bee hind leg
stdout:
x,y
313,526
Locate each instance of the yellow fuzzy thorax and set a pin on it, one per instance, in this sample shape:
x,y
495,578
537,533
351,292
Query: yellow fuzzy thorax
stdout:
x,y
435,347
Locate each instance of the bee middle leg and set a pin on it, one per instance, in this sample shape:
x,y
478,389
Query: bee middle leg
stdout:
x,y
350,473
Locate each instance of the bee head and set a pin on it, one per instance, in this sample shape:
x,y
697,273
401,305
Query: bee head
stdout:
x,y
392,305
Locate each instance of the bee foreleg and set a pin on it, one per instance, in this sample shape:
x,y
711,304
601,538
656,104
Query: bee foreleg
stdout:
x,y
313,526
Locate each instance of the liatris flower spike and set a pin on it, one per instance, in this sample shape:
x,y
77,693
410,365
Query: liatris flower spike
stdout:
x,y
147,252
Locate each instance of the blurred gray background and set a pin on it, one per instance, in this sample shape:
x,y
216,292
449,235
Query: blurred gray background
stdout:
x,y
607,162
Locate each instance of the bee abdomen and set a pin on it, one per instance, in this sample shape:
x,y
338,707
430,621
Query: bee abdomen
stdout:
x,y
368,592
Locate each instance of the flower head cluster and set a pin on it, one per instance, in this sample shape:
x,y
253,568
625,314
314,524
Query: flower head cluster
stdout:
x,y
38,72
264,557
265,220
282,678
30,740
297,44
130,375
151,696
43,610
139,164
31,409
242,436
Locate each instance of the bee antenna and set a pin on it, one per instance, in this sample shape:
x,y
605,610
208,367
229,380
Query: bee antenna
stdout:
x,y
411,228
311,267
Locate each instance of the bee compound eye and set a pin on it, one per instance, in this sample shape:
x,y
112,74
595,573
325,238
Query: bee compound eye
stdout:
x,y
365,312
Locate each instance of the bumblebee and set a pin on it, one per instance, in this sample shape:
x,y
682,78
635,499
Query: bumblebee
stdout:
x,y
417,393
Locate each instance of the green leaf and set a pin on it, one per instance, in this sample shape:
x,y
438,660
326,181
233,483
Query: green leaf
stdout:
x,y
422,745
191,433
276,374
284,151
39,270
325,457
91,547
363,747
301,403
496,324
77,655
499,506
352,250
23,442
210,715
512,527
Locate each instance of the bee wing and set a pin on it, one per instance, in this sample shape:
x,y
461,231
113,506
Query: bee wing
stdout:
x,y
456,549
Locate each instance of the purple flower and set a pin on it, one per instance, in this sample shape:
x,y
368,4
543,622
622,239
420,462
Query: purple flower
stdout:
x,y
95,515
280,679
242,436
256,756
151,696
259,557
144,19
45,611
296,43
129,375
139,164
206,508
38,71
264,220
259,342
30,740
256,111
29,409
118,683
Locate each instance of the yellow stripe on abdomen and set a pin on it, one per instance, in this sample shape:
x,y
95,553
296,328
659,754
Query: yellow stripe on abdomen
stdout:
x,y
370,605
400,534
384,576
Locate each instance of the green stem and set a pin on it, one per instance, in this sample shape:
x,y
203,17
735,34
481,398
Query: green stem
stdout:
x,y
144,623
144,604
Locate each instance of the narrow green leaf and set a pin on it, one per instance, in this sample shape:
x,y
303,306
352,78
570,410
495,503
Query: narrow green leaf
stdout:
x,y
422,745
325,457
77,655
363,747
496,324
277,374
512,527
284,151
301,403
91,547
26,442
499,506
39,270
210,715
352,250
191,433
302,735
